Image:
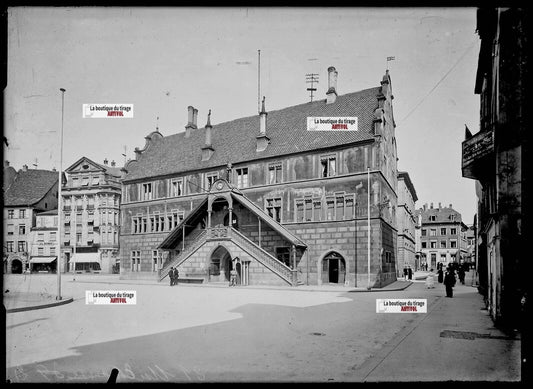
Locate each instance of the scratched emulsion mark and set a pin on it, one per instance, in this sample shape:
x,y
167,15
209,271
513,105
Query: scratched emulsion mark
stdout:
x,y
126,373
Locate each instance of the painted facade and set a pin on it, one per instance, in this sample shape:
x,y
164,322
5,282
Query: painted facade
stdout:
x,y
297,199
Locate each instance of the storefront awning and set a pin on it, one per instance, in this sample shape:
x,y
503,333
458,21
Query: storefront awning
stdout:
x,y
85,258
42,259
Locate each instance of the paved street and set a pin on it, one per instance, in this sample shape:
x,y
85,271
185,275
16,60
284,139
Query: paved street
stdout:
x,y
205,334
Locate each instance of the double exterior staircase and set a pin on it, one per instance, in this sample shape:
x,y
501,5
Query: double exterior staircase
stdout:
x,y
182,257
229,233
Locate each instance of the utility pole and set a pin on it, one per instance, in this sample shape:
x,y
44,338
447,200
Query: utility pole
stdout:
x,y
59,198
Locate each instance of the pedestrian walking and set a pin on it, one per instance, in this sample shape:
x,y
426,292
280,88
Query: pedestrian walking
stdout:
x,y
449,282
409,273
233,277
176,276
430,280
461,274
405,273
171,275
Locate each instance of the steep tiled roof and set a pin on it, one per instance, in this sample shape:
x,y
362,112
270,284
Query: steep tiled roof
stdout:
x,y
30,187
442,215
235,141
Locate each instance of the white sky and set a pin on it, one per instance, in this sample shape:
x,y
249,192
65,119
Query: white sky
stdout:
x,y
162,60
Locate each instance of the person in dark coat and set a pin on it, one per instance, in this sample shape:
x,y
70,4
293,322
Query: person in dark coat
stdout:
x,y
176,276
409,273
449,282
405,273
171,275
440,274
461,274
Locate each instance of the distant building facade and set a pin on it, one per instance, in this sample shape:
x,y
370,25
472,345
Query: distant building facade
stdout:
x,y
269,196
442,236
30,192
43,254
406,221
494,158
91,217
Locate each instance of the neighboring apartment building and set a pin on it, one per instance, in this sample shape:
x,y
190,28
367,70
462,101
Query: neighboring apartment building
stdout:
x,y
269,195
442,236
91,223
406,221
43,255
494,157
30,192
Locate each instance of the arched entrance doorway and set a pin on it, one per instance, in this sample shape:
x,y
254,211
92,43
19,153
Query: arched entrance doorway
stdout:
x,y
333,268
220,265
16,266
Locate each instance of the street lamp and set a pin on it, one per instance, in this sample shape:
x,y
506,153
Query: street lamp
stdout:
x,y
59,198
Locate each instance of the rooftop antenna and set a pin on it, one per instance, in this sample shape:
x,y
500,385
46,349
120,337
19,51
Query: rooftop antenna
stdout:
x,y
311,78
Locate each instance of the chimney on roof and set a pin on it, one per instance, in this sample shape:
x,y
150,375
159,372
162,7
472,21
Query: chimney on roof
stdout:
x,y
440,205
450,205
191,120
54,169
431,206
425,206
113,163
207,149
105,161
262,139
24,168
332,85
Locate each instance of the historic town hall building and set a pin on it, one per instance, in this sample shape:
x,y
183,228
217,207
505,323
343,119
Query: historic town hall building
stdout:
x,y
268,195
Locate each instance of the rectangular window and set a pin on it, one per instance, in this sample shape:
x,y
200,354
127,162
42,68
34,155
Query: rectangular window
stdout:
x,y
95,181
52,250
152,224
160,224
85,181
75,182
424,245
10,229
317,209
144,225
308,205
22,246
155,258
9,246
453,244
339,205
136,225
22,213
424,232
146,191
274,173
40,251
53,236
78,238
433,244
11,214
330,208
135,260
329,165
433,232
242,177
453,231
350,206
40,237
432,218
273,208
443,231
176,188
210,178
442,244
177,218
